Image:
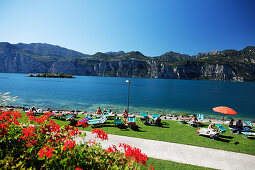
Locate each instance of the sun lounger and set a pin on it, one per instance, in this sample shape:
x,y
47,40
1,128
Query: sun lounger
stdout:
x,y
99,118
248,123
117,122
155,115
132,123
206,132
248,135
143,114
97,121
194,123
144,117
238,131
109,114
131,120
200,118
221,128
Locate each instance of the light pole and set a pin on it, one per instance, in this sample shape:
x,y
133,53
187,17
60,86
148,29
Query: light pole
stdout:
x,y
128,81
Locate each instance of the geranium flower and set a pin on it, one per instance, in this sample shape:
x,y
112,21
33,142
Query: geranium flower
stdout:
x,y
100,134
134,153
78,168
46,151
84,124
70,144
112,149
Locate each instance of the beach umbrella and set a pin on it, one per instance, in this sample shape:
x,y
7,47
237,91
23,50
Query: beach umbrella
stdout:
x,y
224,110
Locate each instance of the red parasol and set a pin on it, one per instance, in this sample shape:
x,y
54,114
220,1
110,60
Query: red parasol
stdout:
x,y
224,110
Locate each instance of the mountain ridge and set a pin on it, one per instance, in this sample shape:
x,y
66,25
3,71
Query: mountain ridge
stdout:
x,y
227,65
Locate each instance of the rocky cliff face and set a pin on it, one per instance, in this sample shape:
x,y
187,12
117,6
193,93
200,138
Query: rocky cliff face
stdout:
x,y
227,65
150,69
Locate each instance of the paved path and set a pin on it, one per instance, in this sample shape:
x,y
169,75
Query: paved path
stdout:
x,y
188,154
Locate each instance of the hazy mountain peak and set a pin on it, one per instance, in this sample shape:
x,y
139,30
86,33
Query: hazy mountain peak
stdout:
x,y
44,49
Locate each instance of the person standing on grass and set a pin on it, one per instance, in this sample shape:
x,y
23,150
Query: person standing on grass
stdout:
x,y
125,116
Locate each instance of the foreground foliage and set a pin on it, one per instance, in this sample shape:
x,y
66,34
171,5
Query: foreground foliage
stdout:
x,y
43,144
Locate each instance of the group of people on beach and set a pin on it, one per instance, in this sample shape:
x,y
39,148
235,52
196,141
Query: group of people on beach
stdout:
x,y
125,114
238,127
99,111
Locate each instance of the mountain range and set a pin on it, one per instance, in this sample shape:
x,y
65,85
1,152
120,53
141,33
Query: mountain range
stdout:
x,y
227,65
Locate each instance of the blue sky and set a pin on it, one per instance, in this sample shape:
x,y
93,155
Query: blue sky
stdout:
x,y
152,27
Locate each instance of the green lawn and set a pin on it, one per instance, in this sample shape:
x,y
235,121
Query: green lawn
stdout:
x,y
173,131
162,165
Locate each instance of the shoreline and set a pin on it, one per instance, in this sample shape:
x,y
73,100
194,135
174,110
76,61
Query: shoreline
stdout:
x,y
165,116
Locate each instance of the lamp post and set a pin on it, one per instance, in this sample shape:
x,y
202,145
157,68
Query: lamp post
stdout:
x,y
128,81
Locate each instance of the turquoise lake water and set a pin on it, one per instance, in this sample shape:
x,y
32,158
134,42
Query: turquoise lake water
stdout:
x,y
152,95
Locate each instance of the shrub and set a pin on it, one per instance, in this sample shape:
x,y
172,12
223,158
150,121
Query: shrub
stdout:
x,y
42,144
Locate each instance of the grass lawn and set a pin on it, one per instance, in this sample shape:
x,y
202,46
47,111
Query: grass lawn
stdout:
x,y
173,131
162,164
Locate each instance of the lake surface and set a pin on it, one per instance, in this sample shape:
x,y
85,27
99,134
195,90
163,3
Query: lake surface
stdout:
x,y
152,95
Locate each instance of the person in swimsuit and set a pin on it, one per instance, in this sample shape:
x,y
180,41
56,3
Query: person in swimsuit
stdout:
x,y
98,111
125,116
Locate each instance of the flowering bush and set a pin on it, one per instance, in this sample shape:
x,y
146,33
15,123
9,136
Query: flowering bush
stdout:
x,y
45,145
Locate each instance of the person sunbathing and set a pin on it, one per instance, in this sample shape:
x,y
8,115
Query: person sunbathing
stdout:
x,y
210,127
210,130
193,119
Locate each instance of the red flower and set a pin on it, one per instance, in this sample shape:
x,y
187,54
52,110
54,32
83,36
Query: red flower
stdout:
x,y
134,153
112,149
75,132
84,124
151,168
46,151
29,136
78,168
70,144
100,134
